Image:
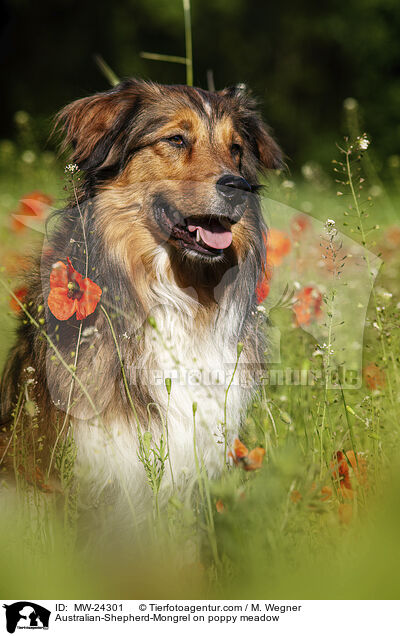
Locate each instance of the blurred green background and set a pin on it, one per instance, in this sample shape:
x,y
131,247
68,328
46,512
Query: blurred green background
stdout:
x,y
302,58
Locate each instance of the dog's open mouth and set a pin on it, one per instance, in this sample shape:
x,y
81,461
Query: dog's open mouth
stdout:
x,y
208,235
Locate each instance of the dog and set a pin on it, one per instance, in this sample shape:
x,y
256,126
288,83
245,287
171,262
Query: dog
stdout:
x,y
157,256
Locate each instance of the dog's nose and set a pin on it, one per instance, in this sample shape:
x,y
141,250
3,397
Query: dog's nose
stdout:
x,y
233,188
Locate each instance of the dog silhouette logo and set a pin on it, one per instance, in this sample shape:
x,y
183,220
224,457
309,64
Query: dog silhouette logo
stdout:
x,y
26,615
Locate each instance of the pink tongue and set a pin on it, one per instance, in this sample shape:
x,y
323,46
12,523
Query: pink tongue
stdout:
x,y
213,234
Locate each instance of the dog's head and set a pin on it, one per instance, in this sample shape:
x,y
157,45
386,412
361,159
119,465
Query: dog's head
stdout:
x,y
173,165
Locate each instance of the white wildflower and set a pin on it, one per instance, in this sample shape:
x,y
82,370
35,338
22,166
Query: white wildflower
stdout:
x,y
71,168
289,185
330,227
375,191
89,331
21,118
28,156
363,142
350,103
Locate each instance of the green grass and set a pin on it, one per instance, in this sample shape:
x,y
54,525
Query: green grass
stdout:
x,y
276,537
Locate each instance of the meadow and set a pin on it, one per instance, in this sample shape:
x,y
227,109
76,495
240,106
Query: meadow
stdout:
x,y
309,506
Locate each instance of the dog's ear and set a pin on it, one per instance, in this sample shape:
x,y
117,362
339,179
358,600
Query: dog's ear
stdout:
x,y
94,126
267,152
264,147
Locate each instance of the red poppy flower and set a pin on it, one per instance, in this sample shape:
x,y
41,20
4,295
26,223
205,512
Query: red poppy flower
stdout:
x,y
262,290
15,263
359,466
278,245
374,377
341,471
263,287
307,306
35,204
20,293
71,293
220,506
248,460
299,224
296,496
392,236
35,477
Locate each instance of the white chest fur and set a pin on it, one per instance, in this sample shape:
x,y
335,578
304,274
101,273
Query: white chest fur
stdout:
x,y
200,362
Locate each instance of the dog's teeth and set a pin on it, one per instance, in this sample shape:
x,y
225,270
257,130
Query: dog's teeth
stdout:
x,y
197,235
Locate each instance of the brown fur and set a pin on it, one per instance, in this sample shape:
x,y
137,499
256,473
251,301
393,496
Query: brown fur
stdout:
x,y
118,139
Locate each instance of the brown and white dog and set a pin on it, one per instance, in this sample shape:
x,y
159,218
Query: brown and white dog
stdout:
x,y
167,222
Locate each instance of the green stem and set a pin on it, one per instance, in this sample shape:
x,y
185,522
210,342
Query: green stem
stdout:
x,y
363,240
196,458
188,43
349,424
160,57
107,70
167,435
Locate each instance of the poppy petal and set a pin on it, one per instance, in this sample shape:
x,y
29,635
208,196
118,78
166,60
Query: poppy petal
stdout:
x,y
89,300
255,459
239,449
60,305
278,246
73,275
220,506
21,294
59,276
262,290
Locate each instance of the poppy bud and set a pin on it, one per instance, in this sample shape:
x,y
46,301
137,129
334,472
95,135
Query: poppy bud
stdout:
x,y
30,408
147,437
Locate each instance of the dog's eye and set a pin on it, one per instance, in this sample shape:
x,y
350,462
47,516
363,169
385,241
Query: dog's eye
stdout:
x,y
236,150
177,140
